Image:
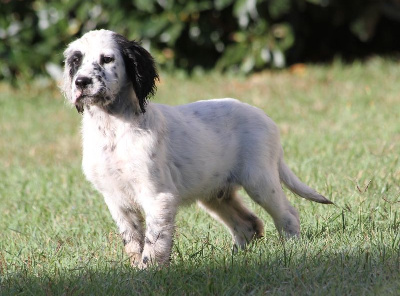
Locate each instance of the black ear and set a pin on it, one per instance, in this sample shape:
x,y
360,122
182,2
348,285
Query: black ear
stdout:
x,y
140,68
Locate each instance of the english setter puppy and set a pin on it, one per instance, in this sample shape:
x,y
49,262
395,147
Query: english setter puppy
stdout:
x,y
148,159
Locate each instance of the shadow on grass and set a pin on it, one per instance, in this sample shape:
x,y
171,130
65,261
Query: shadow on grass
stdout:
x,y
339,274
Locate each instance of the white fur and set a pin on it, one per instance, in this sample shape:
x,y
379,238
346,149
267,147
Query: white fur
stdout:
x,y
150,163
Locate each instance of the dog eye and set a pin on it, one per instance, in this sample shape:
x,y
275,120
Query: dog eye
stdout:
x,y
76,60
106,59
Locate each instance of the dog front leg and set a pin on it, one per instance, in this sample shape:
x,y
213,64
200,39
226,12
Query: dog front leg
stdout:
x,y
130,224
160,224
133,237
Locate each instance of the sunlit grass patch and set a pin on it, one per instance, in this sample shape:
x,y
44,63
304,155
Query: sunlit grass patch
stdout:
x,y
340,132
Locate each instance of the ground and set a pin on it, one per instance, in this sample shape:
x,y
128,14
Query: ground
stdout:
x,y
341,135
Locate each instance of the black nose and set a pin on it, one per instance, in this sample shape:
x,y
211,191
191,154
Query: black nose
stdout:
x,y
83,81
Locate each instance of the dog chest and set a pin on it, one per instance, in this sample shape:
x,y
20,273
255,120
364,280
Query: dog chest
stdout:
x,y
114,163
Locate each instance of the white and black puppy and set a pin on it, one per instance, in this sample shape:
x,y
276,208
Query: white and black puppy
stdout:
x,y
148,159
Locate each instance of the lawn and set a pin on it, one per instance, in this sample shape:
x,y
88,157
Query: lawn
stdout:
x,y
340,130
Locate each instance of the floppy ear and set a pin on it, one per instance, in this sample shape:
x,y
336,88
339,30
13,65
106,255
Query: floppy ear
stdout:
x,y
140,69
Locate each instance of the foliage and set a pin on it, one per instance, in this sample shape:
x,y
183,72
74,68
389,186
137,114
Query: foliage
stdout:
x,y
242,35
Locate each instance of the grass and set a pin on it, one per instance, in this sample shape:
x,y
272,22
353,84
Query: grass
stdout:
x,y
341,134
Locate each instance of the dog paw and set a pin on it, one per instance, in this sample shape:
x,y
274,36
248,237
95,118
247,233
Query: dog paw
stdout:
x,y
146,263
135,259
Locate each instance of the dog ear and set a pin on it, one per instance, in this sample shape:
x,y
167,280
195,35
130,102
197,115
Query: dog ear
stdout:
x,y
140,69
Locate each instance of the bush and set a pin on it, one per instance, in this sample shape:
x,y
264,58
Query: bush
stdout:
x,y
241,35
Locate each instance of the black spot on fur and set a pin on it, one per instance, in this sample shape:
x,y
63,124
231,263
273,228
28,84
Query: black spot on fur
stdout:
x,y
74,62
254,223
251,217
125,242
79,108
140,69
102,130
231,178
97,68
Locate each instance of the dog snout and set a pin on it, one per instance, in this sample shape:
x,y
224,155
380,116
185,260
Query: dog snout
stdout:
x,y
83,81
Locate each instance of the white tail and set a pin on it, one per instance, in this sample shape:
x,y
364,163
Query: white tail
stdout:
x,y
296,186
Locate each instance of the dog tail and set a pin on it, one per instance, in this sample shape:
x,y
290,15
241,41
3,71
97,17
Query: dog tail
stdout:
x,y
296,186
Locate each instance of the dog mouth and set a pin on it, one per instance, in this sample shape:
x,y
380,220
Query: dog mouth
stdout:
x,y
83,100
80,102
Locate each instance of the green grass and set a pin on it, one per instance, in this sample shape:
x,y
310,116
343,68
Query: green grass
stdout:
x,y
341,134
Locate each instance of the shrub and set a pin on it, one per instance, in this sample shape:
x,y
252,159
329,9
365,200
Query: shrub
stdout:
x,y
241,35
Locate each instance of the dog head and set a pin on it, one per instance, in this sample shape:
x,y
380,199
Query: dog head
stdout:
x,y
101,65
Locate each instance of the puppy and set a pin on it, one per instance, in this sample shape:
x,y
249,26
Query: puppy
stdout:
x,y
148,159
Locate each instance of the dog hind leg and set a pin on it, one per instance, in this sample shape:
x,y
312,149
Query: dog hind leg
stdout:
x,y
268,193
242,223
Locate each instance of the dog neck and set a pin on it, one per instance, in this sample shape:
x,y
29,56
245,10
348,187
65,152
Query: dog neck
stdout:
x,y
124,105
124,108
